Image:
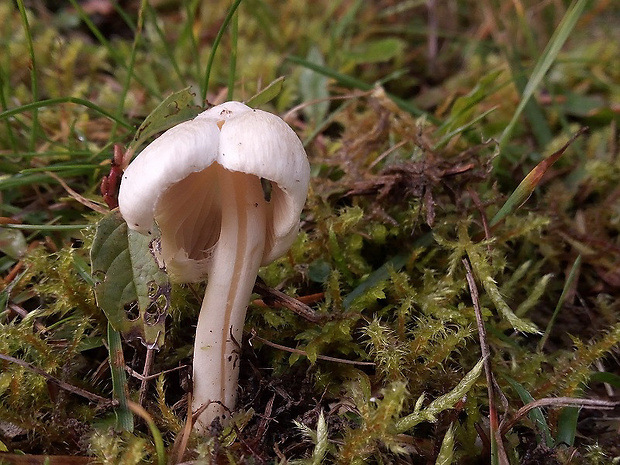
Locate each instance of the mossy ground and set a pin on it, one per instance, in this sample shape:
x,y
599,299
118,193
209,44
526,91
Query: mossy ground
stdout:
x,y
409,177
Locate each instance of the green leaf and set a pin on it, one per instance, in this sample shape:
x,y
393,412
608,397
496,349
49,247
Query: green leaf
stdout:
x,y
313,89
377,51
567,425
13,243
536,415
175,109
267,94
128,279
545,61
572,276
605,377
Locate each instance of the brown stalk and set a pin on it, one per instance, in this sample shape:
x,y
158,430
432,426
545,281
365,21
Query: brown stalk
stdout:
x,y
486,355
61,384
597,404
305,354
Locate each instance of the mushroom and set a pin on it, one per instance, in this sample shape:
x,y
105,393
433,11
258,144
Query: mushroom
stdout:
x,y
226,190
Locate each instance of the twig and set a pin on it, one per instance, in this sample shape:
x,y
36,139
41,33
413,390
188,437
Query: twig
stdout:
x,y
305,354
22,312
272,296
81,199
141,377
61,384
180,442
496,437
148,363
557,402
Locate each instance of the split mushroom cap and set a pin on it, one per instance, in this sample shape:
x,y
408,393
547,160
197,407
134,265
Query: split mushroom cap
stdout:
x,y
237,138
203,183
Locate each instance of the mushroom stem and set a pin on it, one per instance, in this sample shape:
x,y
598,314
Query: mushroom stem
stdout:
x,y
235,262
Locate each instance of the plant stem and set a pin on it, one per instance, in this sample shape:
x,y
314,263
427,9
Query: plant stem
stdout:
x,y
235,262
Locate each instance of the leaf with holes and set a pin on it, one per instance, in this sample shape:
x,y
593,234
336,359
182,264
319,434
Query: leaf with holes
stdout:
x,y
131,289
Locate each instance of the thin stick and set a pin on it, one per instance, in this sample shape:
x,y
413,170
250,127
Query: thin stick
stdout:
x,y
272,296
61,384
81,199
557,402
305,354
148,363
496,439
141,377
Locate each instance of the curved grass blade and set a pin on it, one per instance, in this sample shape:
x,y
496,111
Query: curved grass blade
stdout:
x,y
536,415
350,81
33,71
572,275
55,101
525,189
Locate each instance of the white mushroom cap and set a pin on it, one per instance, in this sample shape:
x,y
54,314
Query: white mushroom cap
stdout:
x,y
227,137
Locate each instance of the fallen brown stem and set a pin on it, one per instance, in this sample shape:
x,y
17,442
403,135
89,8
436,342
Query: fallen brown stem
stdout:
x,y
274,297
486,355
557,402
305,354
81,199
61,384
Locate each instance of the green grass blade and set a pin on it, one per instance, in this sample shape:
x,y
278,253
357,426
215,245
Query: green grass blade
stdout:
x,y
166,44
267,94
33,72
188,34
111,49
531,110
130,66
544,63
55,101
572,275
124,417
349,81
567,425
216,44
160,448
232,68
45,227
536,415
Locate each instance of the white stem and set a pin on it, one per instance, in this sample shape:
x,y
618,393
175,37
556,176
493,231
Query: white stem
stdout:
x,y
234,266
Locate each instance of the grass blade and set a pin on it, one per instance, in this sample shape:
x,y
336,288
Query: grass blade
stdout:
x,y
232,68
349,81
536,415
544,63
572,275
55,101
124,417
267,94
33,72
525,189
216,44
